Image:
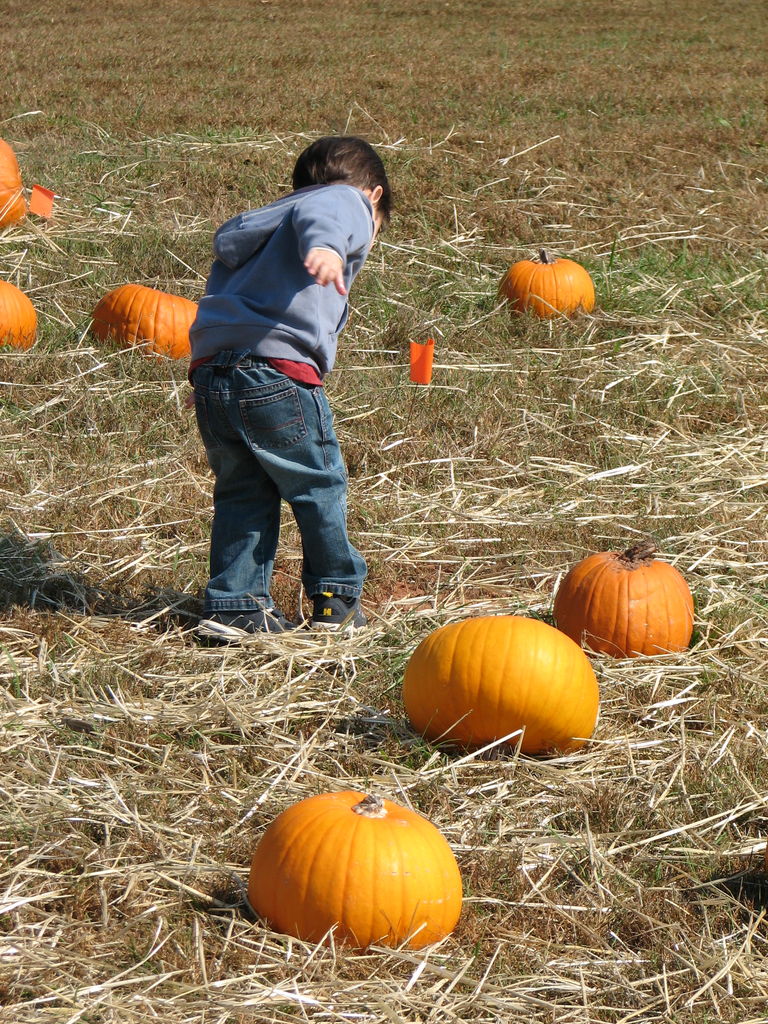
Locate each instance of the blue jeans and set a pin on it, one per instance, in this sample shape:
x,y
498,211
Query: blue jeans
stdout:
x,y
269,438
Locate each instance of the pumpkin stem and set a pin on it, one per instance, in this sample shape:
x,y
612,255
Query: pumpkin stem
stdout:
x,y
639,554
544,256
371,807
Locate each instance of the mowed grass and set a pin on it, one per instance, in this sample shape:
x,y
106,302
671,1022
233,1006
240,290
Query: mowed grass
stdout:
x,y
622,883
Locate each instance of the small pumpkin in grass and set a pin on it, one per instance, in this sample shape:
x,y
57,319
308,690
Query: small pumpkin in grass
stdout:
x,y
378,872
626,604
135,315
13,205
548,286
18,318
476,681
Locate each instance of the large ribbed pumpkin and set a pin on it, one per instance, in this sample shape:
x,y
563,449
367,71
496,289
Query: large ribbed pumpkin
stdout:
x,y
626,604
134,315
13,205
18,319
548,286
479,680
374,871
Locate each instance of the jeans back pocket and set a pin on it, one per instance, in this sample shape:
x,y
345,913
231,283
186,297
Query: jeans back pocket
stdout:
x,y
274,421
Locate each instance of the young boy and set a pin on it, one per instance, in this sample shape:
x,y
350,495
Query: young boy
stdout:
x,y
264,338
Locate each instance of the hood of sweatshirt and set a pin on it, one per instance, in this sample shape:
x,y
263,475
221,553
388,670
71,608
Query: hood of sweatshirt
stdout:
x,y
241,238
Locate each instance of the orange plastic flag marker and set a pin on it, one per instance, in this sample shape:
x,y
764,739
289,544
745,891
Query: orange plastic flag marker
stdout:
x,y
421,361
41,201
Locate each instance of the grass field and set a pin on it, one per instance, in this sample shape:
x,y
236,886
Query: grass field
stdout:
x,y
623,883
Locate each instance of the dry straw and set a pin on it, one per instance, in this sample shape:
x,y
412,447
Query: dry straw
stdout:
x,y
622,883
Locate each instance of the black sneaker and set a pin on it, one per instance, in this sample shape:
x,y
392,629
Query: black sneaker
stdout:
x,y
332,611
233,626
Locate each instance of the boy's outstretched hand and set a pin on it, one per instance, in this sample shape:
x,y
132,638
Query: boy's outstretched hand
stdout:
x,y
326,267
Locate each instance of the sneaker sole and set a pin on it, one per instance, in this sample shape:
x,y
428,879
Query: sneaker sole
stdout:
x,y
218,631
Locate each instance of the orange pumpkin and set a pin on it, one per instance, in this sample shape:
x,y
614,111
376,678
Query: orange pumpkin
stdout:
x,y
154,320
18,319
13,205
378,872
626,604
476,681
548,287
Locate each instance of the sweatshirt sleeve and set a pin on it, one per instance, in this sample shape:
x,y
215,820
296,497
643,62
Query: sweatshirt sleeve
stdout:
x,y
337,217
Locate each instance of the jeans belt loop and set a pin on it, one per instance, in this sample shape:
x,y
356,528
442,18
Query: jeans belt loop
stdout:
x,y
226,359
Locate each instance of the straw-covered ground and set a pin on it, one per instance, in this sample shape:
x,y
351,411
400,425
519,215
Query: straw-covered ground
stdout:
x,y
624,882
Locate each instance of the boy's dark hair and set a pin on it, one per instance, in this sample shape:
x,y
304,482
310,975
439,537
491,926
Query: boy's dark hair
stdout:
x,y
344,158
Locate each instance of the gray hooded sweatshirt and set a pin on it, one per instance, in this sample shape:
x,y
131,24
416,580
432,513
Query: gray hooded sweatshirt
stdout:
x,y
259,296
